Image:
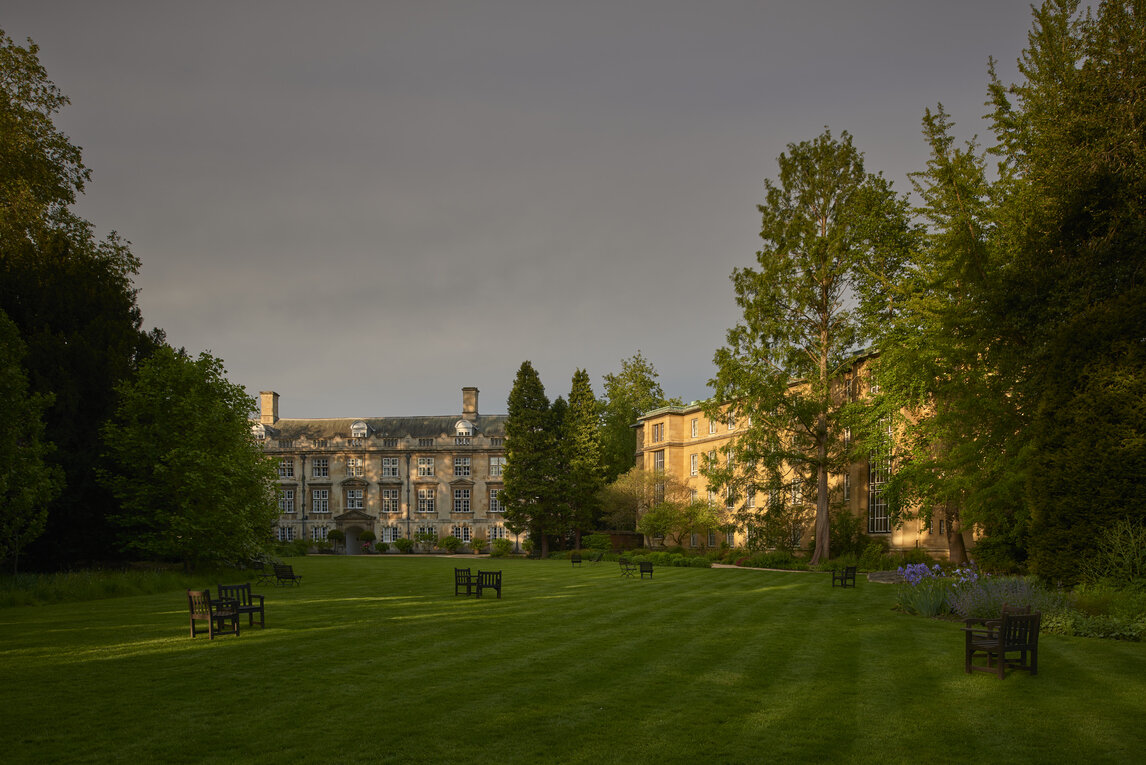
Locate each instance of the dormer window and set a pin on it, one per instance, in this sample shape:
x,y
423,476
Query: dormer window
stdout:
x,y
463,431
259,432
358,429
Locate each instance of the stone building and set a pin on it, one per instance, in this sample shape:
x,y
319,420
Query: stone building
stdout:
x,y
676,439
393,476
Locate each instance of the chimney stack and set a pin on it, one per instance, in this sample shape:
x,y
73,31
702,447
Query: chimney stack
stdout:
x,y
469,404
268,407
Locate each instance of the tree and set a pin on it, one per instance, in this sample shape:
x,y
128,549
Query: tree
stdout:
x,y
827,226
954,417
530,445
676,520
27,481
1070,296
628,394
581,444
626,499
1017,335
70,296
192,482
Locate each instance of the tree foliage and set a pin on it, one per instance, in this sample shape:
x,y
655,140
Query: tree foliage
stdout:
x,y
628,394
634,492
1017,333
27,481
529,493
70,295
192,482
580,442
829,228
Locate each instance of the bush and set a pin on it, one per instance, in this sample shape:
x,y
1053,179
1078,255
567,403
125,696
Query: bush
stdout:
x,y
403,545
847,534
872,557
450,544
367,537
1119,558
501,548
599,542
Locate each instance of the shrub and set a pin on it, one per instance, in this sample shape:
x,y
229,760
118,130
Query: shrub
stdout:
x,y
501,548
403,545
700,562
450,544
599,542
366,537
477,544
847,534
1119,558
984,598
871,559
924,590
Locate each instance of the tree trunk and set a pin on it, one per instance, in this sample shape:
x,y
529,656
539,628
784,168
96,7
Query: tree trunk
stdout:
x,y
823,524
956,547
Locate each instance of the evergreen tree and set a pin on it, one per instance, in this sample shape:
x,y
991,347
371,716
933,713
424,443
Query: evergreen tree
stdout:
x,y
826,227
1072,134
530,446
581,444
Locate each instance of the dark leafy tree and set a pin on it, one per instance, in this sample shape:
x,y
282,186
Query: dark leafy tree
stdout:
x,y
1070,299
27,481
70,296
192,482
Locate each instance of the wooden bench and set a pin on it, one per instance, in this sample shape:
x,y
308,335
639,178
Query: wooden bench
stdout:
x,y
242,595
489,580
463,579
646,567
628,568
215,612
1014,633
284,574
575,559
845,578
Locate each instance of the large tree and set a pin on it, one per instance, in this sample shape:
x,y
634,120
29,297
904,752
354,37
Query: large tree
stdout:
x,y
1070,300
70,295
581,444
825,226
192,482
629,393
529,493
27,481
1017,334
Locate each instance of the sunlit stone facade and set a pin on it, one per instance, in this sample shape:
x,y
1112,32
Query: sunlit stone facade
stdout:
x,y
393,476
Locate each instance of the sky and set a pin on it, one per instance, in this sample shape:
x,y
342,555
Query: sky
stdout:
x,y
367,206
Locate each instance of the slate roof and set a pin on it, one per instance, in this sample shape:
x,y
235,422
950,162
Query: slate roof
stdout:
x,y
489,425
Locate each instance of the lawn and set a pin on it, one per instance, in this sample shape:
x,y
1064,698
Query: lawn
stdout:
x,y
373,658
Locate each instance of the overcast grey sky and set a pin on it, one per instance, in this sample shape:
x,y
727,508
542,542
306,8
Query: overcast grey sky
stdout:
x,y
368,206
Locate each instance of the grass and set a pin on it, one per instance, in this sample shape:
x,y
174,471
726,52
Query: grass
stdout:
x,y
373,658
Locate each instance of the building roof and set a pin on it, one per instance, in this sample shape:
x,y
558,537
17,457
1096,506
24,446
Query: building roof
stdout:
x,y
388,427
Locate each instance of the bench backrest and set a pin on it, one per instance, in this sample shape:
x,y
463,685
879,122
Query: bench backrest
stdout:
x,y
199,601
239,592
284,571
489,579
461,575
1019,631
